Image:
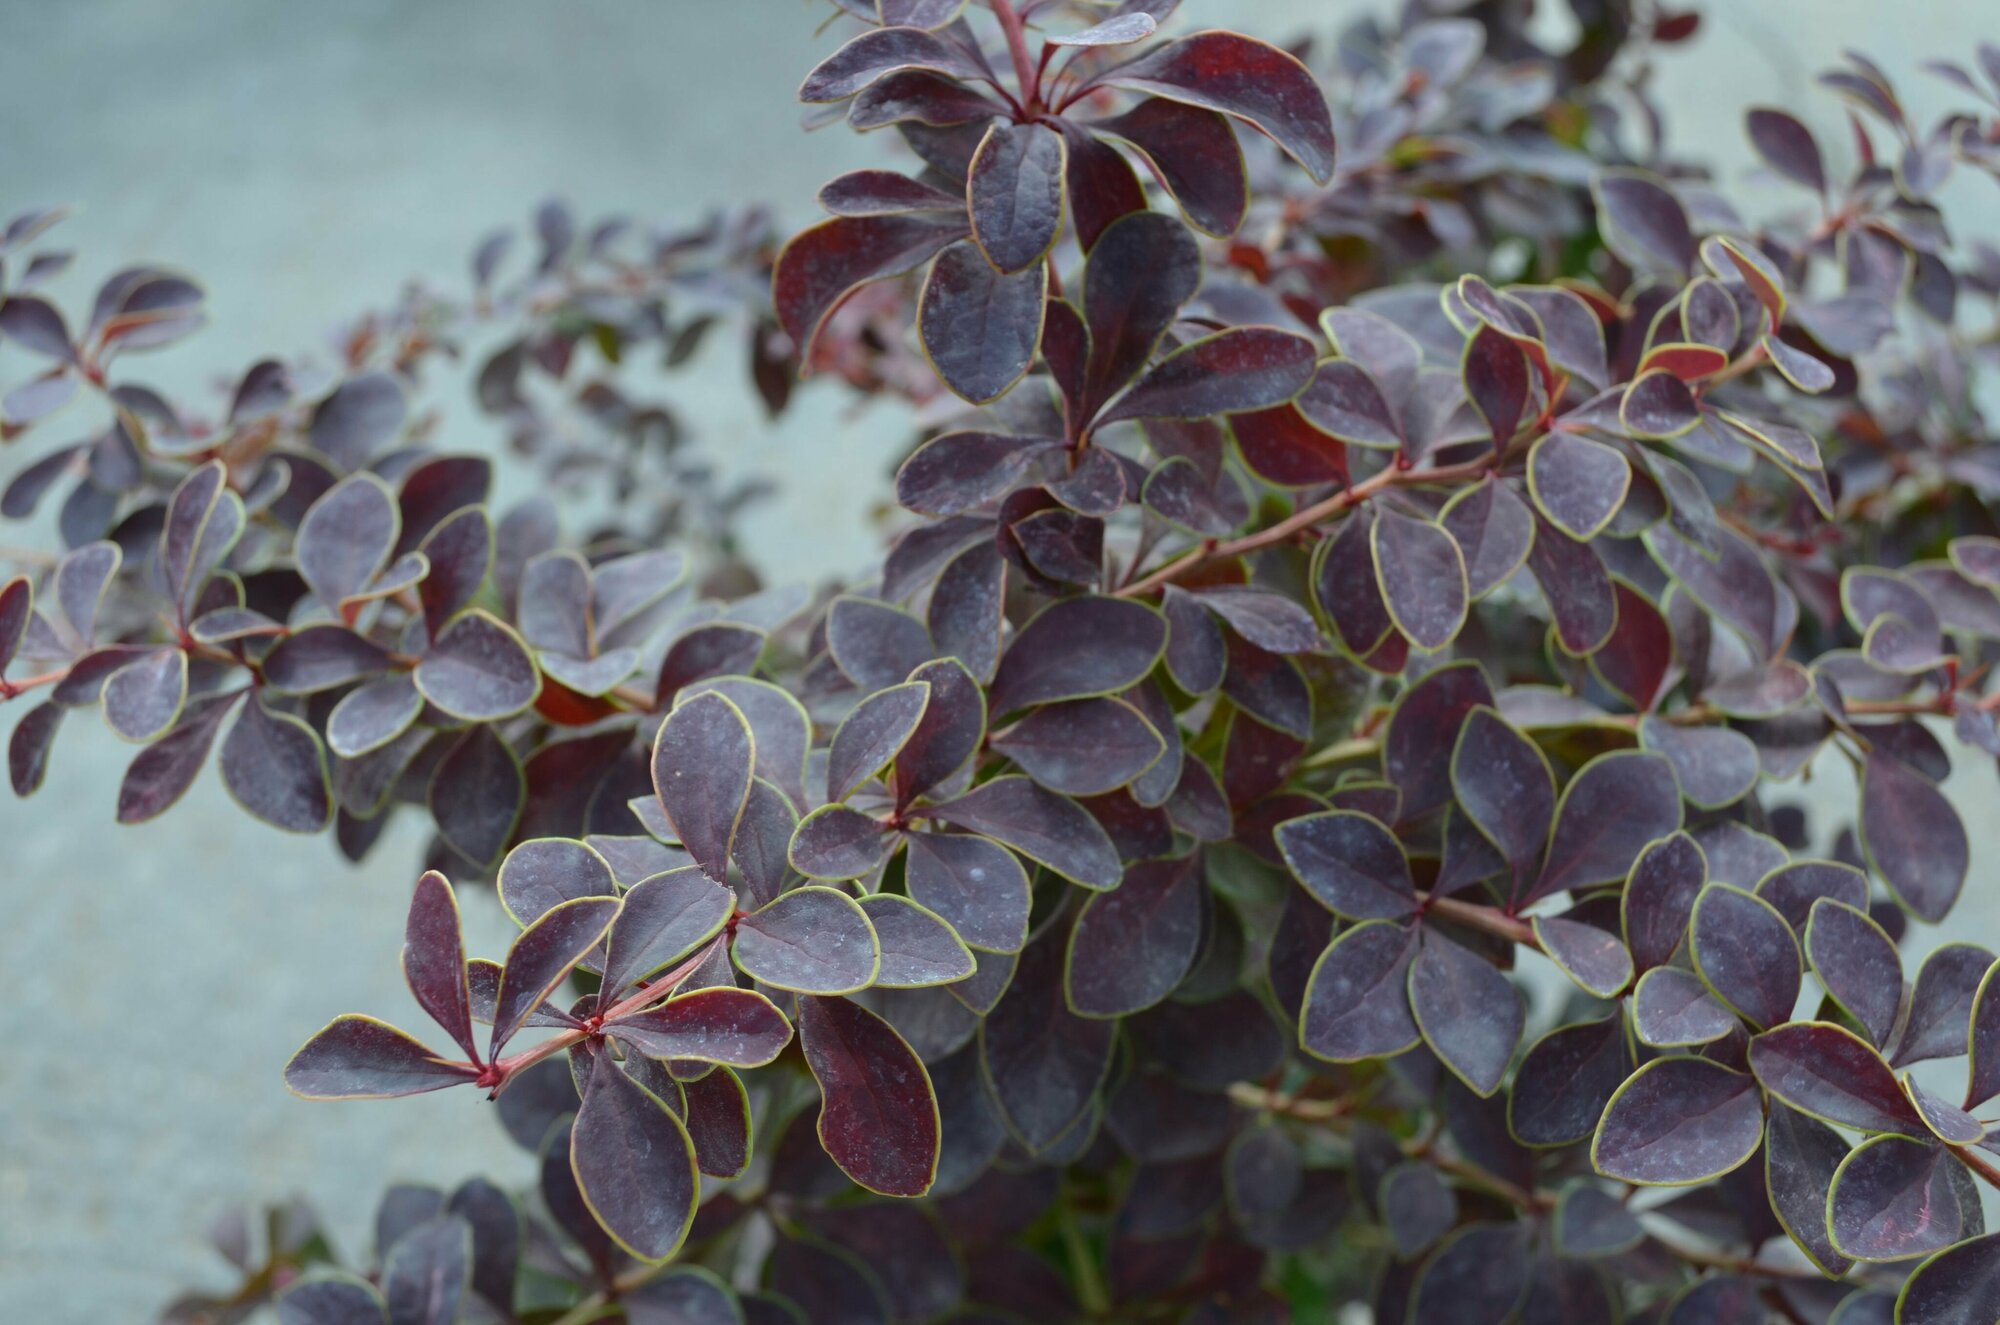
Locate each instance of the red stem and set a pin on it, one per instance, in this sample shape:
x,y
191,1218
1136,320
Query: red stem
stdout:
x,y
506,1069
1017,47
1346,498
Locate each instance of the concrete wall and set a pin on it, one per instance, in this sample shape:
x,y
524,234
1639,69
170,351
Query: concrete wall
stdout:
x,y
304,159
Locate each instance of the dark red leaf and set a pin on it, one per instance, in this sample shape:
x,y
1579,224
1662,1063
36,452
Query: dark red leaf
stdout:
x,y
634,1164
703,761
357,1057
822,265
1014,191
1195,154
878,1117
1234,74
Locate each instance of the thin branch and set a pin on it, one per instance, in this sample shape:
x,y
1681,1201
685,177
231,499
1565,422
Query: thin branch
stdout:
x,y
1345,499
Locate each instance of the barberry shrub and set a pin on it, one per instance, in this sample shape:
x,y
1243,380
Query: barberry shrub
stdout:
x,y
1349,575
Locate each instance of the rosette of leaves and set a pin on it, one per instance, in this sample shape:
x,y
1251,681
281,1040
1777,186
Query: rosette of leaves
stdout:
x,y
1011,168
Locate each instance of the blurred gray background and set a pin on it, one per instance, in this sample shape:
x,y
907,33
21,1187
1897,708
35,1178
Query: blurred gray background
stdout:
x,y
304,160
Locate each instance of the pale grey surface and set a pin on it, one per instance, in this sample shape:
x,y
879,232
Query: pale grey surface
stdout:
x,y
304,159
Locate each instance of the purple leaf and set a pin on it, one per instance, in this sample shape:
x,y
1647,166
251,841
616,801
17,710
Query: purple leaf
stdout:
x,y
1232,371
1678,1121
1941,1003
919,949
1195,653
1238,76
718,1123
1592,958
1746,954
1913,836
1858,964
872,735
204,520
1421,734
1478,1277
478,670
1083,747
885,50
1014,192
1357,1002
1613,807
878,1117
1194,153
1672,1009
975,885
321,657
1787,146
1793,888
812,940
164,770
1831,1073
1118,30
1716,766
823,265
361,416
1050,830
542,957
347,538
736,1027
1350,863
274,766
1133,946
703,761
1658,406
1044,1063
434,959
884,193
965,614
1566,1079
1577,588
372,715
476,795
980,327
1141,270
330,1300
545,872
948,735
426,1272
143,698
634,1165
1042,663
360,1058
1268,620
1345,402
1894,1198
835,843
36,326
1469,1013
1422,575
1954,1286
1579,484
1801,1155
1643,223
1983,1070
664,918
28,748
1503,782
1495,373
875,644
